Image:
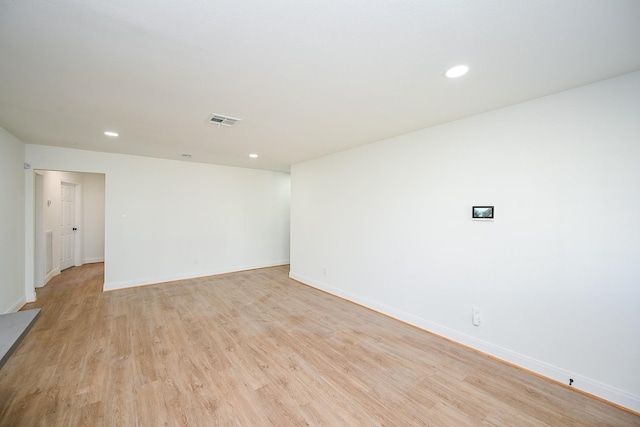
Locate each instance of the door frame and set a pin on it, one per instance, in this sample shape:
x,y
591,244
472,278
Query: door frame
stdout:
x,y
30,251
39,269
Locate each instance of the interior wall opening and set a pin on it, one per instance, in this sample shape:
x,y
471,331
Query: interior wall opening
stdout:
x,y
69,212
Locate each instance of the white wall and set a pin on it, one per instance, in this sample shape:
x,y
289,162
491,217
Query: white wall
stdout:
x,y
557,274
12,295
168,220
93,217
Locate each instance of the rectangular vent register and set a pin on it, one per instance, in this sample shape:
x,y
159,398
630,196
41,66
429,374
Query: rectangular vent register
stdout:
x,y
219,119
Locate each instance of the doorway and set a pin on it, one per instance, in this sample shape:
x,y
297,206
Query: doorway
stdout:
x,y
69,212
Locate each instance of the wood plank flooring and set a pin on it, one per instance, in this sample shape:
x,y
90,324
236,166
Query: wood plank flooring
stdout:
x,y
258,349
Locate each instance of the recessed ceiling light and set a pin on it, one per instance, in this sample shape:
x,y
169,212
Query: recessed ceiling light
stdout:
x,y
109,133
457,71
253,156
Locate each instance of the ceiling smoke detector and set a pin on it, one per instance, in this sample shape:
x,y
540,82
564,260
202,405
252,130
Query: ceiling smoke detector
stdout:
x,y
219,119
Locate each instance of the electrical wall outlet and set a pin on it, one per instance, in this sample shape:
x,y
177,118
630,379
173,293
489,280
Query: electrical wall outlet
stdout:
x,y
476,316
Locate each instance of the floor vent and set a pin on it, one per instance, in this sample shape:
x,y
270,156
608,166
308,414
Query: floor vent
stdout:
x,y
219,119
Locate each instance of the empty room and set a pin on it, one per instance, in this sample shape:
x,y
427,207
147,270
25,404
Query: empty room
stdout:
x,y
358,213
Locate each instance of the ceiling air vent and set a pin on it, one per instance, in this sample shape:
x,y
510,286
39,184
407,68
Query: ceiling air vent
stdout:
x,y
219,119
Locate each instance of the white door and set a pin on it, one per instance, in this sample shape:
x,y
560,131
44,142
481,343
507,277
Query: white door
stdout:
x,y
67,225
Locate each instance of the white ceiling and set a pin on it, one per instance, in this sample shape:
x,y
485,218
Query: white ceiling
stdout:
x,y
307,78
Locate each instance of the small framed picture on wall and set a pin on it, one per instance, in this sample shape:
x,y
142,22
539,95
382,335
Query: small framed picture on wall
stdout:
x,y
482,212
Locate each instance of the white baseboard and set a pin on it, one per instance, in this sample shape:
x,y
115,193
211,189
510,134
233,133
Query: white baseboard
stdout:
x,y
53,273
123,284
17,306
92,260
584,384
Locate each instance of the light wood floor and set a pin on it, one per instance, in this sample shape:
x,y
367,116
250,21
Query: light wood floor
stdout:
x,y
258,349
